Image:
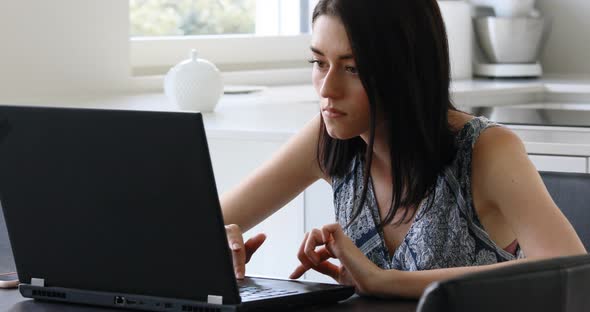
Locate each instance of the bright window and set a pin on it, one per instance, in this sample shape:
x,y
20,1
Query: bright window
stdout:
x,y
234,34
191,17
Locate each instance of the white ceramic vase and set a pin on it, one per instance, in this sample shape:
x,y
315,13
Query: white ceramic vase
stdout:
x,y
194,84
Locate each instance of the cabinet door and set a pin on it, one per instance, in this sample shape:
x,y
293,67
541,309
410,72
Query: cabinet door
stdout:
x,y
233,160
560,163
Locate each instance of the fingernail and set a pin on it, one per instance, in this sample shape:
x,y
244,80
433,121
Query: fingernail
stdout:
x,y
235,246
240,275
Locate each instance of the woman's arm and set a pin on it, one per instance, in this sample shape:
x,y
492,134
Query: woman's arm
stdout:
x,y
275,183
358,271
504,177
411,284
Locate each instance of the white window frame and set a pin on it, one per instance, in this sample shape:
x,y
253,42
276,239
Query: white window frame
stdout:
x,y
155,55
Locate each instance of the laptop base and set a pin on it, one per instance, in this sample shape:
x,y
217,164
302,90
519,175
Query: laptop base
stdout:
x,y
126,301
330,293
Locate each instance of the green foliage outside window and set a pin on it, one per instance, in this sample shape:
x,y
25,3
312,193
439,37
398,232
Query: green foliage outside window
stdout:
x,y
191,17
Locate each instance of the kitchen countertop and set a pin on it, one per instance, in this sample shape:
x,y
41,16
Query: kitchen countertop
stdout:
x,y
276,113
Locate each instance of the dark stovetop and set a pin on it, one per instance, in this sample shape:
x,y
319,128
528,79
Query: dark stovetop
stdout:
x,y
575,116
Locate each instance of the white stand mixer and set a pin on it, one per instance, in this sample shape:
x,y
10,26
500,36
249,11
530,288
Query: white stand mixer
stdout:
x,y
509,36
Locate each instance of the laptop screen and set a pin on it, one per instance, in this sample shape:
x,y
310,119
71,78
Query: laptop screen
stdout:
x,y
113,200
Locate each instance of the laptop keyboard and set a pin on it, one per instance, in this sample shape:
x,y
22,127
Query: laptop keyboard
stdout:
x,y
249,292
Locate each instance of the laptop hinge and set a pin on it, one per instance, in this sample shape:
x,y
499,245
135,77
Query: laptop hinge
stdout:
x,y
39,282
212,299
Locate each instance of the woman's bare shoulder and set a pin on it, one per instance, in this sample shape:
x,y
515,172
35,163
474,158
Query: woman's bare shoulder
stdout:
x,y
494,142
497,150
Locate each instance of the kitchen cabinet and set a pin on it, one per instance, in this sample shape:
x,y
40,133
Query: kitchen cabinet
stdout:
x,y
233,160
560,163
319,211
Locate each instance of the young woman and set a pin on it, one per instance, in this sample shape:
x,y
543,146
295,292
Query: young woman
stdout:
x,y
422,191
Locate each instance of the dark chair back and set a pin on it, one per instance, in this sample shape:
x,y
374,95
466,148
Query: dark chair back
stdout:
x,y
571,193
558,284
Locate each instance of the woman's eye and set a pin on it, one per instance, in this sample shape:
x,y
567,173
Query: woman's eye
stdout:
x,y
318,63
351,69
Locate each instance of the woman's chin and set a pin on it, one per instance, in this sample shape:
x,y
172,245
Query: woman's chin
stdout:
x,y
337,134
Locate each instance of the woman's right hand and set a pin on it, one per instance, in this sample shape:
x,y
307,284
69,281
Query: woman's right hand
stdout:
x,y
242,252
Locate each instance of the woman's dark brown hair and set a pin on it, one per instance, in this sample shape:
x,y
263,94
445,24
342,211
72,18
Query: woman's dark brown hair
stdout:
x,y
401,53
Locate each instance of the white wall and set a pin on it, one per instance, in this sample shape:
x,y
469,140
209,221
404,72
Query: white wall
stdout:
x,y
47,51
568,48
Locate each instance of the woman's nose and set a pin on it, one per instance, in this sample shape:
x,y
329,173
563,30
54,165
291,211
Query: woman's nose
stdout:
x,y
331,86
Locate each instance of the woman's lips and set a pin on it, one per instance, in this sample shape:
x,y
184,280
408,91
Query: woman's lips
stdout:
x,y
332,113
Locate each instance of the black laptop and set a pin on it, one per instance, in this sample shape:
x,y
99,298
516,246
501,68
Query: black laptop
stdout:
x,y
119,208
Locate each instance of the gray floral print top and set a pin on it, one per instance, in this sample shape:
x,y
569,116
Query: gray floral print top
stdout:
x,y
447,235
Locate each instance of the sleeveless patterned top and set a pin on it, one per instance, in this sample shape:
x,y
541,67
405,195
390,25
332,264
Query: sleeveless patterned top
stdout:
x,y
449,234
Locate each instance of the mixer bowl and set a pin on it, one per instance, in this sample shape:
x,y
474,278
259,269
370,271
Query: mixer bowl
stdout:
x,y
510,40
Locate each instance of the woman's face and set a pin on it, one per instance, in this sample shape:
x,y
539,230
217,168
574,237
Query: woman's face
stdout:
x,y
343,100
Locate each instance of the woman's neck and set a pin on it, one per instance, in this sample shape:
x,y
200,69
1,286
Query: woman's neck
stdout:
x,y
381,155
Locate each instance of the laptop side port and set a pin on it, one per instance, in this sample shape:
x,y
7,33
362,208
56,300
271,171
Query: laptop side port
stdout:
x,y
120,300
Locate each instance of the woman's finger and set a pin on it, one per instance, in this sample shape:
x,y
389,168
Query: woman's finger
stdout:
x,y
236,245
253,244
326,267
301,252
304,267
313,240
324,253
331,232
299,271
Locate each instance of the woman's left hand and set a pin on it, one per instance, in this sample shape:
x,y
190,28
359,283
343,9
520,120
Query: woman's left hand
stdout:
x,y
355,269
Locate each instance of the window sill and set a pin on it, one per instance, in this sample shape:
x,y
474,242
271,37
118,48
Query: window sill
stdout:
x,y
270,77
